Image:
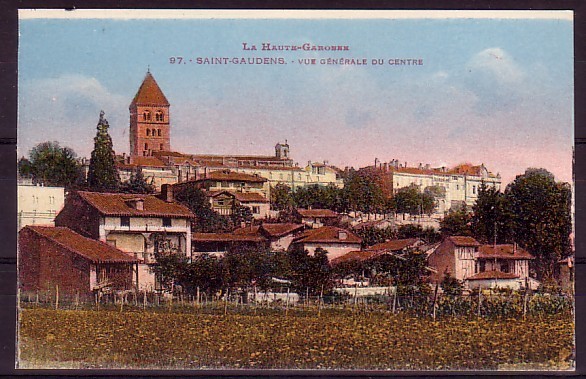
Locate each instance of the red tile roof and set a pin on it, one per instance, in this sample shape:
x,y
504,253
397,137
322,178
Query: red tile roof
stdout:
x,y
356,256
117,204
227,175
243,197
226,237
316,213
327,234
149,93
94,251
503,252
279,230
395,245
493,275
271,230
463,241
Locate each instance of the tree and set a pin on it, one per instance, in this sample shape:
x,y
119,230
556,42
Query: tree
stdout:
x,y
245,267
281,197
491,218
102,174
456,223
137,184
208,221
311,273
411,200
371,235
52,165
363,192
541,218
451,286
241,214
170,268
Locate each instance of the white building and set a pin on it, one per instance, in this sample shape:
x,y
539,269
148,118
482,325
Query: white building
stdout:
x,y
38,205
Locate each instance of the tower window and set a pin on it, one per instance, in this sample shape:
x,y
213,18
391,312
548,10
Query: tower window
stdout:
x,y
159,116
161,147
148,132
159,132
146,115
146,146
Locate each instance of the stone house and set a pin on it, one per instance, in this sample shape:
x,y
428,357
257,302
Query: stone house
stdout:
x,y
336,241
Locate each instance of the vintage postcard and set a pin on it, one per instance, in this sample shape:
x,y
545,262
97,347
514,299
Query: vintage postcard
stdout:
x,y
334,190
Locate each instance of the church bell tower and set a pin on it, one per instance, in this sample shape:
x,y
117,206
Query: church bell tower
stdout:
x,y
150,129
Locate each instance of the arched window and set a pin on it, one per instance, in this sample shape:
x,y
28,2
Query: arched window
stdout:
x,y
146,115
148,132
159,116
159,132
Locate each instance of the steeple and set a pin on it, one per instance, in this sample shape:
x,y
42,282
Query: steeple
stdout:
x,y
150,128
149,93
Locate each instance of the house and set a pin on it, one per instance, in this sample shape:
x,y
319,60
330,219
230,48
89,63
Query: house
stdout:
x,y
223,180
218,244
225,202
336,241
38,204
51,257
316,218
396,246
279,235
482,266
139,225
456,255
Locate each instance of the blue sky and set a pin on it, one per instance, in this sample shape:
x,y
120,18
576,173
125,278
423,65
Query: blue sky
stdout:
x,y
492,91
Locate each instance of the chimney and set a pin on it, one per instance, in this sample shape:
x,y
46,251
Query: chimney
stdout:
x,y
420,165
167,193
309,163
405,165
375,162
427,166
136,203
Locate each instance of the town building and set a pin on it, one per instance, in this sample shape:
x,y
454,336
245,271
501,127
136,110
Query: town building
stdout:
x,y
336,241
218,244
38,204
279,235
395,247
456,187
316,218
484,266
139,225
59,259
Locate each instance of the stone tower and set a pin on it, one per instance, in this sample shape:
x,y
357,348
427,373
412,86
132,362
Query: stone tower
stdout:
x,y
282,150
150,129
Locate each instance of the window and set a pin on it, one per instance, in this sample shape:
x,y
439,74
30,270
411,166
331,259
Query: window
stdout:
x,y
124,221
505,267
146,115
255,209
482,266
148,132
146,146
161,147
159,116
474,190
166,222
159,132
457,187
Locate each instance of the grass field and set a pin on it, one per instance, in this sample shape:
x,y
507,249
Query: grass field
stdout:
x,y
335,340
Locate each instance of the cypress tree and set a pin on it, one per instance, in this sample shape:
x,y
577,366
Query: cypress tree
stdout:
x,y
102,174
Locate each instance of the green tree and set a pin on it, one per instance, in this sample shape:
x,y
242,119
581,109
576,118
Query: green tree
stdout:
x,y
491,218
203,272
371,235
102,174
414,202
451,286
137,184
363,192
245,267
25,168
281,197
542,222
241,214
456,223
170,268
311,272
52,165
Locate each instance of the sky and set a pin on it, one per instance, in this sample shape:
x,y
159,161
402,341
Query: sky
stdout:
x,y
497,91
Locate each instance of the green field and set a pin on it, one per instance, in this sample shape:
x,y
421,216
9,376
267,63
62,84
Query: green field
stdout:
x,y
335,340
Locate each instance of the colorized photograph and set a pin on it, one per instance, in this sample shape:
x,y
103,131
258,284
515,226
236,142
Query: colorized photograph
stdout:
x,y
296,190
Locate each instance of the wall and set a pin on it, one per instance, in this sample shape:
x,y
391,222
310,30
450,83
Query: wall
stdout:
x,y
443,260
334,250
494,283
38,205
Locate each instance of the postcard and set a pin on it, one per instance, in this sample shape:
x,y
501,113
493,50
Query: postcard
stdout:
x,y
330,190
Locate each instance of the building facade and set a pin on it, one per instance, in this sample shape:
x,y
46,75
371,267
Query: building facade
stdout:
x,y
140,225
39,205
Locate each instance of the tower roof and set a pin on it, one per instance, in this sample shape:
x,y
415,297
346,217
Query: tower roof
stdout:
x,y
149,93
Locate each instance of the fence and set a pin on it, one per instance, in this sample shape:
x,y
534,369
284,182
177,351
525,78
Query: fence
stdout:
x,y
481,304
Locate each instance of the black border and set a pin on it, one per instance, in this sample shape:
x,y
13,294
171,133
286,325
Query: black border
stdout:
x,y
8,121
